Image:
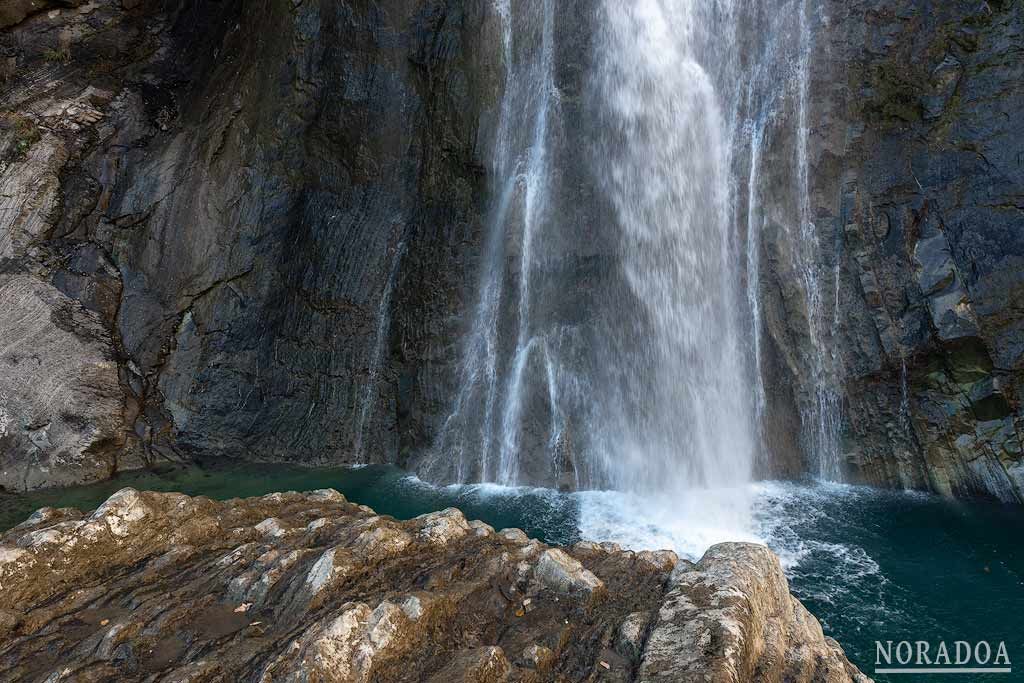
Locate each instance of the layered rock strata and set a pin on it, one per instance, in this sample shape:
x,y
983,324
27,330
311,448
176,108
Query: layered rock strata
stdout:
x,y
309,587
241,229
917,193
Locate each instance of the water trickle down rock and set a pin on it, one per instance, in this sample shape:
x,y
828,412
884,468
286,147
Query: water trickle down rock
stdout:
x,y
917,181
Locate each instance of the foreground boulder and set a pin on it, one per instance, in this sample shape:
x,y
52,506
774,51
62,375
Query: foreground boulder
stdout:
x,y
309,587
731,618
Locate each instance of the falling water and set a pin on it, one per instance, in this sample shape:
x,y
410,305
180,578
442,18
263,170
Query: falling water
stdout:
x,y
479,440
755,225
664,158
904,397
371,389
776,107
758,112
821,415
612,343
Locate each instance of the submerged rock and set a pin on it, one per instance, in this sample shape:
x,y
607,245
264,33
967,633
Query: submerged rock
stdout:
x,y
308,587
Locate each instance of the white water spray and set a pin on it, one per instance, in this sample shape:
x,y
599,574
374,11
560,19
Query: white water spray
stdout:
x,y
664,160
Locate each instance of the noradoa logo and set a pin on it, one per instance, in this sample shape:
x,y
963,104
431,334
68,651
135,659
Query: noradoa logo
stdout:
x,y
923,657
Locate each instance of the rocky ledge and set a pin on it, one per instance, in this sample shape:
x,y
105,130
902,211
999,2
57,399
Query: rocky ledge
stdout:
x,y
310,587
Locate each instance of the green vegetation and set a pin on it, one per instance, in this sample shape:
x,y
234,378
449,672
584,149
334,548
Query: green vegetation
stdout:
x,y
61,53
26,132
58,54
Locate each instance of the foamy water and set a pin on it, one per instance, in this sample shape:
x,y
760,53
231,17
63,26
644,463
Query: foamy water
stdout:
x,y
688,523
791,519
775,514
869,564
862,560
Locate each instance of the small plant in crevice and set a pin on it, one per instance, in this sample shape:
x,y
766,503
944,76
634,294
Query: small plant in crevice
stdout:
x,y
25,130
53,54
62,53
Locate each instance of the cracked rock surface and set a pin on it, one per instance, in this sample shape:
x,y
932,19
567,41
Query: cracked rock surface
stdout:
x,y
309,587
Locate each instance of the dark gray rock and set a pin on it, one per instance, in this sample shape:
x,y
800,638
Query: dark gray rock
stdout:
x,y
918,187
253,230
262,218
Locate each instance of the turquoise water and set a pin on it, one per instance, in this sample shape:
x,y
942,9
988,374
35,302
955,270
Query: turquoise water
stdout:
x,y
540,513
871,565
876,565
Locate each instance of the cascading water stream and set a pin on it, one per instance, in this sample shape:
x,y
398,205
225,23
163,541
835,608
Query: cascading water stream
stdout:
x,y
757,113
755,225
613,344
371,388
822,416
534,191
663,157
490,383
776,107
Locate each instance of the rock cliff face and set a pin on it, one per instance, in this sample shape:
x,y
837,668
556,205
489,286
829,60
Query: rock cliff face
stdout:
x,y
234,232
254,231
917,189
308,587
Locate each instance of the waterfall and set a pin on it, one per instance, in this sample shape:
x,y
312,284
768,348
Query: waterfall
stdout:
x,y
821,414
479,440
664,159
755,225
615,336
775,108
371,389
